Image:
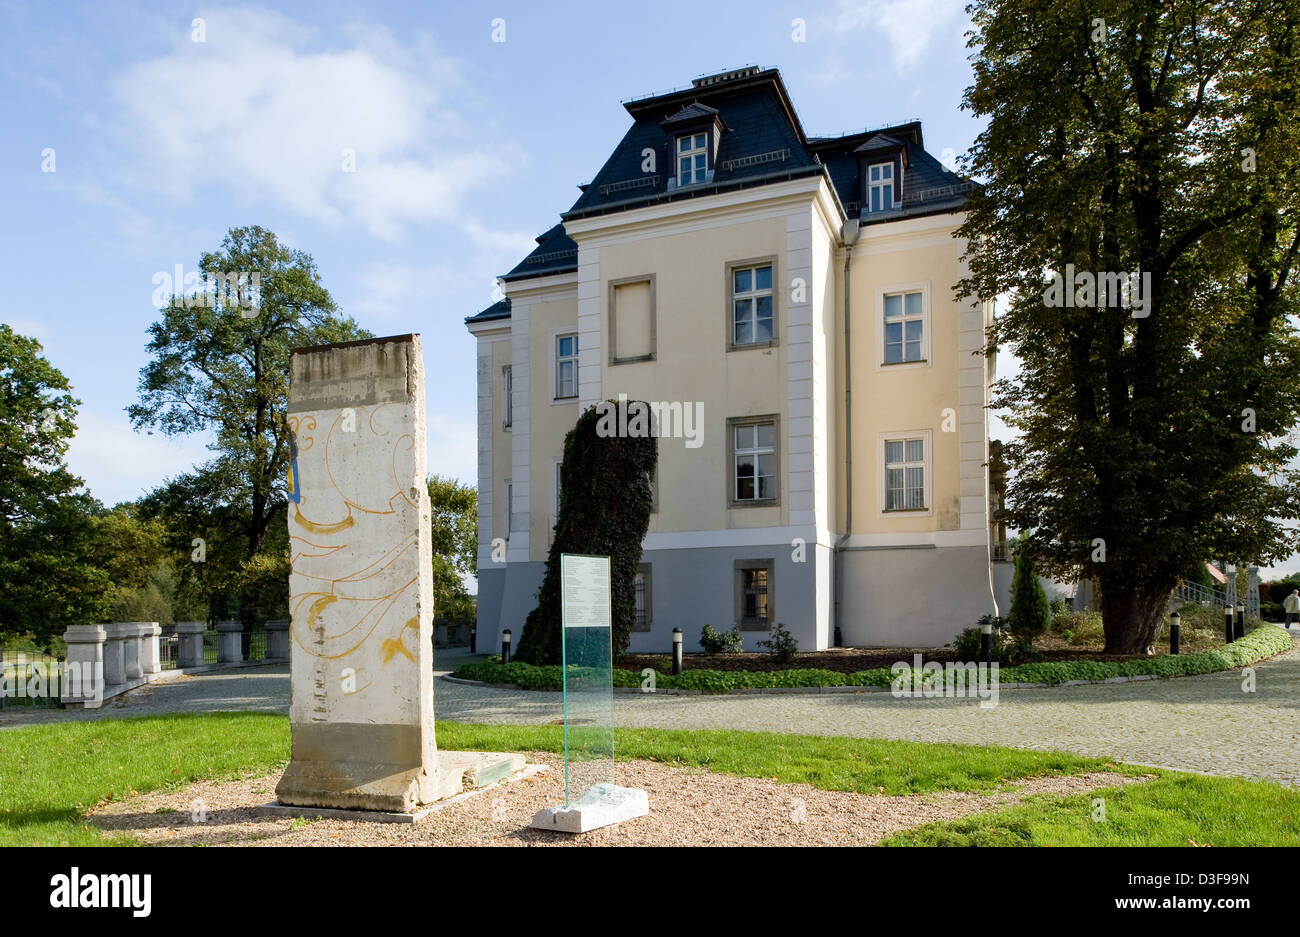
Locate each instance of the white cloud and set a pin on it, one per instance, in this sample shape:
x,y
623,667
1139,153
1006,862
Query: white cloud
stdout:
x,y
119,464
909,26
262,109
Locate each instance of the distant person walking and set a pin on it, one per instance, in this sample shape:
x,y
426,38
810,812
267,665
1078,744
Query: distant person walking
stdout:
x,y
1291,605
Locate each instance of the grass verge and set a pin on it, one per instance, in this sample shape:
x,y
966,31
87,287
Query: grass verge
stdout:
x,y
51,775
1173,810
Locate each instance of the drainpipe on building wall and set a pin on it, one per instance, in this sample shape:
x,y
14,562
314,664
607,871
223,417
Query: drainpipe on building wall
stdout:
x,y
849,234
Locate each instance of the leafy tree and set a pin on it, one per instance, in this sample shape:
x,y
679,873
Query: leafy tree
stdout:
x,y
131,550
222,365
1030,612
1158,138
49,574
605,502
455,522
455,545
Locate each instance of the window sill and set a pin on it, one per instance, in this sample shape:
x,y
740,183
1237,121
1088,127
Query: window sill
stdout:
x,y
755,626
905,511
748,345
634,359
896,364
756,503
564,399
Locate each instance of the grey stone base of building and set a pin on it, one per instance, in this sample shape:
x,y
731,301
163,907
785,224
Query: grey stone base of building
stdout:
x,y
459,775
602,805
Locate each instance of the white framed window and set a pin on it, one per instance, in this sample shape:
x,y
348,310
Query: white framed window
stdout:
x,y
880,187
903,311
507,396
905,470
692,158
566,366
753,461
753,318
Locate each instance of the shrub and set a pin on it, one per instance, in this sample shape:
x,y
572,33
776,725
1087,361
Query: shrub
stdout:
x,y
1030,613
722,642
1079,627
604,510
782,645
1263,641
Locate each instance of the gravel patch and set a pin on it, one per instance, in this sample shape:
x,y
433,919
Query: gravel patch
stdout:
x,y
688,807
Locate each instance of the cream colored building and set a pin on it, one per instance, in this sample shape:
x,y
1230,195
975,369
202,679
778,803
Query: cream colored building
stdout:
x,y
723,261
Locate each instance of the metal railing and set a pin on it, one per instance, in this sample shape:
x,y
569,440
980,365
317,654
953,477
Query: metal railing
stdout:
x,y
938,192
774,156
169,648
609,188
255,644
1199,594
15,680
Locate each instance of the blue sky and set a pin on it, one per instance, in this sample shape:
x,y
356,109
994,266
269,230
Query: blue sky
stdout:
x,y
466,149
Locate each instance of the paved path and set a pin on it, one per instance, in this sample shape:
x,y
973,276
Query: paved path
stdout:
x,y
1204,723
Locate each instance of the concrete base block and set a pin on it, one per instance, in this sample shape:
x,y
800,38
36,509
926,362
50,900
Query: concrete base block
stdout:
x,y
602,805
460,775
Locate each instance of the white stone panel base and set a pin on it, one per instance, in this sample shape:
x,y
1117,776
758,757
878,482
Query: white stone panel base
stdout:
x,y
602,805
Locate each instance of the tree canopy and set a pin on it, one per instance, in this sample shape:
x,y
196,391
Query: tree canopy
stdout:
x,y
1160,141
605,501
220,362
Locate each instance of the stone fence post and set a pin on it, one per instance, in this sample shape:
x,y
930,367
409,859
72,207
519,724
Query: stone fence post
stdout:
x,y
150,655
115,654
230,642
85,670
132,632
189,643
277,639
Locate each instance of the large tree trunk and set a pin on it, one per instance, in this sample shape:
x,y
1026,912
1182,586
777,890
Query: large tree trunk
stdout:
x,y
1131,617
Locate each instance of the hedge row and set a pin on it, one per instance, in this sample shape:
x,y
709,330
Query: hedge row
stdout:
x,y
1264,641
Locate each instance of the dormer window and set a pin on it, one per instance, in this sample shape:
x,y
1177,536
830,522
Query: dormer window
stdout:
x,y
692,158
880,186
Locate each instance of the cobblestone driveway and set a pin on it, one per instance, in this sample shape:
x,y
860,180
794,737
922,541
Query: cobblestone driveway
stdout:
x,y
1204,723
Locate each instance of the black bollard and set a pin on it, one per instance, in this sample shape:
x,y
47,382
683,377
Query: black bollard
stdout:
x,y
1240,631
1175,621
986,641
506,637
677,651
1228,627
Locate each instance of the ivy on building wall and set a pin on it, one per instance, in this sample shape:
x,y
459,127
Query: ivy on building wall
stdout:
x,y
605,501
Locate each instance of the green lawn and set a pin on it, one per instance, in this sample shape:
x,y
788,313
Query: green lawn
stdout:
x,y
50,775
1174,810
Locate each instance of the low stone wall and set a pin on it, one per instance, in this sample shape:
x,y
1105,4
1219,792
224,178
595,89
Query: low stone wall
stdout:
x,y
106,660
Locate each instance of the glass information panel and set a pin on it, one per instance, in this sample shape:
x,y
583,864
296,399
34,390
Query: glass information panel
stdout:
x,y
588,678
